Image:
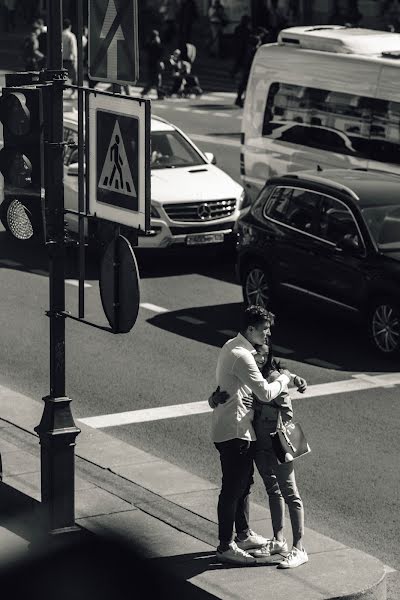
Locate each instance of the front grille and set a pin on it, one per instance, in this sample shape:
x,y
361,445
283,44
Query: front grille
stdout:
x,y
201,211
202,228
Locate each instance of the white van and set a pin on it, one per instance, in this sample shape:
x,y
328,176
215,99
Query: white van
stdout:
x,y
322,96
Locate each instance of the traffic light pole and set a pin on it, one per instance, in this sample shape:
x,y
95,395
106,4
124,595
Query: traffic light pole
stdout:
x,y
56,430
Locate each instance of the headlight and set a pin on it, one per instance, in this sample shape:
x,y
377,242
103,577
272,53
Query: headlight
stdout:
x,y
154,212
244,200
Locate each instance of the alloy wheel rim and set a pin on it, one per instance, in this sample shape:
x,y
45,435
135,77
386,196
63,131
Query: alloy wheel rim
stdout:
x,y
386,328
257,287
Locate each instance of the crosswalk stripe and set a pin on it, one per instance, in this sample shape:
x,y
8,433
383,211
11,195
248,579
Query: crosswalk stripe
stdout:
x,y
357,383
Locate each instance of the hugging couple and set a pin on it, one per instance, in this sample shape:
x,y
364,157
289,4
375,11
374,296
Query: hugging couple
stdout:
x,y
252,391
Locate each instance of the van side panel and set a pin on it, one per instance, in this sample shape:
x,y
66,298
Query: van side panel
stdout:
x,y
265,156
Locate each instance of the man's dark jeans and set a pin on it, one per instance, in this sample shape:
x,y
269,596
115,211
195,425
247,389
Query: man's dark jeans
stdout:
x,y
237,477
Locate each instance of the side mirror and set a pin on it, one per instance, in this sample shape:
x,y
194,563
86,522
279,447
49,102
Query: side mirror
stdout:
x,y
350,244
210,158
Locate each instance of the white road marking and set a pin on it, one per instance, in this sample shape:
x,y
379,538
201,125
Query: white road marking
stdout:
x,y
153,307
9,263
221,114
389,569
321,363
147,414
191,320
228,332
208,139
76,283
184,108
282,350
195,408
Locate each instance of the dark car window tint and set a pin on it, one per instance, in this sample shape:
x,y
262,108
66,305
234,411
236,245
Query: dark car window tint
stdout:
x,y
278,204
334,121
293,206
302,209
336,222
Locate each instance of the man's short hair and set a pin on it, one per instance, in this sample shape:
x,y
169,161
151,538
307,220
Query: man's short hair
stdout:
x,y
255,314
66,23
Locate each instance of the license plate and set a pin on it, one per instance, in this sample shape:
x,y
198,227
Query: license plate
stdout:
x,y
196,239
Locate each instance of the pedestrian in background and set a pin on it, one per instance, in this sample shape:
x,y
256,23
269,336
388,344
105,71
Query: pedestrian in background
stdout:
x,y
42,35
180,68
155,65
167,12
276,19
217,20
241,37
234,437
70,53
10,9
253,44
186,17
33,58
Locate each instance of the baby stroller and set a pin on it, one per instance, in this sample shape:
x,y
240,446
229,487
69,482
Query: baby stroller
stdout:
x,y
185,84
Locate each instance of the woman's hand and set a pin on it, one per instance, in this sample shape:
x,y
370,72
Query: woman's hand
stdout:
x,y
300,383
218,397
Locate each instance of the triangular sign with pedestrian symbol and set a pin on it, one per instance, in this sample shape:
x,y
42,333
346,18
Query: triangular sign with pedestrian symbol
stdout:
x,y
116,175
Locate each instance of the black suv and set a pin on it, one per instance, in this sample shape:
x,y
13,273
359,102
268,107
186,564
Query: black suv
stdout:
x,y
332,236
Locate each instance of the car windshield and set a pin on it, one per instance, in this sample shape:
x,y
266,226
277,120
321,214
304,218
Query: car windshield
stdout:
x,y
170,150
384,225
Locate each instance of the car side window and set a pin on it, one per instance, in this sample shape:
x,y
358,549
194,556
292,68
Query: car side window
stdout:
x,y
302,210
278,203
336,222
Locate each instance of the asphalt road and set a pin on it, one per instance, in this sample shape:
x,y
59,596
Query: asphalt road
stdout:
x,y
350,482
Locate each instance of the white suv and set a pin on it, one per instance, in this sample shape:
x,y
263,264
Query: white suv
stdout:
x,y
193,201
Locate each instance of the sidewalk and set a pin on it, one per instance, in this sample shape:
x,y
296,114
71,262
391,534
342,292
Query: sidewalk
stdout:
x,y
166,515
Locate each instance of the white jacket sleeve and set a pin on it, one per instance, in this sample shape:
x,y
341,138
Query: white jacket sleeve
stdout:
x,y
246,370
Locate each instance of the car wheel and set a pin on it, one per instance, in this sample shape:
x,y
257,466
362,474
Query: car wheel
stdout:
x,y
384,326
257,286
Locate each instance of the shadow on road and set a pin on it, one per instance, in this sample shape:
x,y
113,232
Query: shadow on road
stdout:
x,y
303,335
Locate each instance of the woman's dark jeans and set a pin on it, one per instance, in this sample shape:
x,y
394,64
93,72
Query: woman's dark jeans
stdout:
x,y
237,477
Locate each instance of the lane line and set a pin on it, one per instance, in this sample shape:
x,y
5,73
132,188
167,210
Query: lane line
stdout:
x,y
153,307
355,384
76,283
191,320
208,139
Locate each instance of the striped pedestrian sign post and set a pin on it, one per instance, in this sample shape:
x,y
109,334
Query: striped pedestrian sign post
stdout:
x,y
113,41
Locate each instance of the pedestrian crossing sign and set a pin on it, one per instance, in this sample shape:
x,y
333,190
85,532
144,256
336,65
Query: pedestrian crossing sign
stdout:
x,y
119,159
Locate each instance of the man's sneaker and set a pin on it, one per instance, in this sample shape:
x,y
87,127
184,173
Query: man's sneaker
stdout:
x,y
235,556
253,540
273,546
295,558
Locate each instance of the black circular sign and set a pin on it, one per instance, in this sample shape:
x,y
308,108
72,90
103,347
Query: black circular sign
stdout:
x,y
119,285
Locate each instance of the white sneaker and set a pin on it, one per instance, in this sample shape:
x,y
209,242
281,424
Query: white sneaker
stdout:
x,y
295,558
272,547
235,556
253,540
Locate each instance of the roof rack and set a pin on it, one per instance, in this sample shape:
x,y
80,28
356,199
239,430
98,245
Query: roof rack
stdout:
x,y
316,178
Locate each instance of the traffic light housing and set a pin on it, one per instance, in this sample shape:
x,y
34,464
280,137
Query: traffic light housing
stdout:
x,y
22,160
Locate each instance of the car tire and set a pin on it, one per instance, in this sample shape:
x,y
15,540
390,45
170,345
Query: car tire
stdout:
x,y
256,284
383,323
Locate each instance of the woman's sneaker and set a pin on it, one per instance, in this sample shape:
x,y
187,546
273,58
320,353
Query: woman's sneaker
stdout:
x,y
295,558
235,556
253,540
273,546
